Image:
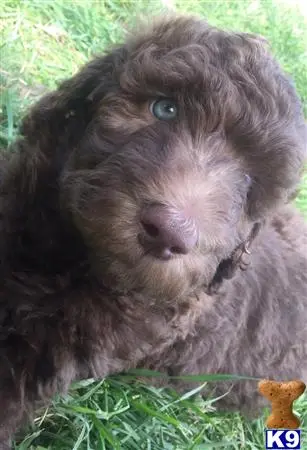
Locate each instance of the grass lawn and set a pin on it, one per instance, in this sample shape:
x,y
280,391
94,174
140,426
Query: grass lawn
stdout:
x,y
44,41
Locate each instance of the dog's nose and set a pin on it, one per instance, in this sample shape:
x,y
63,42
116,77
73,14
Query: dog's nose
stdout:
x,y
167,232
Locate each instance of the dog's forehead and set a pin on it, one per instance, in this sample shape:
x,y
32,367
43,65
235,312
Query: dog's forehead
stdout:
x,y
173,32
188,53
181,32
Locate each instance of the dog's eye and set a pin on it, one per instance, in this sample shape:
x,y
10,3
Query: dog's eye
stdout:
x,y
164,109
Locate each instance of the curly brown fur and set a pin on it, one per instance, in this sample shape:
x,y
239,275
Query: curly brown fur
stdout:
x,y
79,294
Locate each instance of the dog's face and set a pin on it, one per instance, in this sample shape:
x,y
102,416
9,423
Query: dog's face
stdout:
x,y
191,134
162,209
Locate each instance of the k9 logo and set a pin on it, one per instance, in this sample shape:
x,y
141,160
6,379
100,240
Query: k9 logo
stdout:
x,y
285,439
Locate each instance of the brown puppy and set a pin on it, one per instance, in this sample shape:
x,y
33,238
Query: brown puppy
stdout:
x,y
127,209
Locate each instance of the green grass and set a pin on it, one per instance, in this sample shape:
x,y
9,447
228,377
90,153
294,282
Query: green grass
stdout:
x,y
44,41
115,414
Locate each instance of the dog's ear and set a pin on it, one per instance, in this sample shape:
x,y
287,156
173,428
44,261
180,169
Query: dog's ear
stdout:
x,y
49,132
57,121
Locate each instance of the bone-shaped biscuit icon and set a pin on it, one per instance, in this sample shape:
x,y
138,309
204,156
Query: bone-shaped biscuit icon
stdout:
x,y
282,395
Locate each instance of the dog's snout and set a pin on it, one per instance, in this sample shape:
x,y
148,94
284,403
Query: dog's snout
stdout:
x,y
167,232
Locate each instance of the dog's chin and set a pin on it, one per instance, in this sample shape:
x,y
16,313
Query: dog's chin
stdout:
x,y
157,280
